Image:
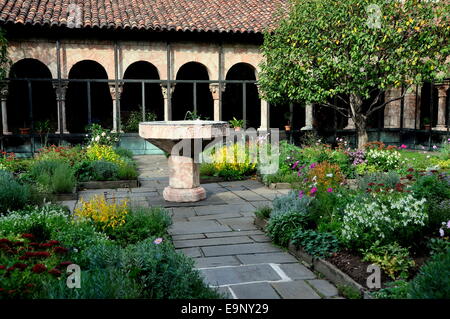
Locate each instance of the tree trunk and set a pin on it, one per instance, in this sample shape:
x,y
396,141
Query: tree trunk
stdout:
x,y
356,103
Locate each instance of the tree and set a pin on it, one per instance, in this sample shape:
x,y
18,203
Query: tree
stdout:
x,y
4,60
352,51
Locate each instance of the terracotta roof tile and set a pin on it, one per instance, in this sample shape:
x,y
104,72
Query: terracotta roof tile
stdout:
x,y
252,16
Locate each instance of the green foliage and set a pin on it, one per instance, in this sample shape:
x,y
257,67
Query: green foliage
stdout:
x,y
433,280
388,179
290,203
104,171
349,292
100,136
263,212
394,290
54,176
84,171
142,223
315,243
438,245
124,152
127,170
5,62
236,123
132,124
13,195
281,227
392,259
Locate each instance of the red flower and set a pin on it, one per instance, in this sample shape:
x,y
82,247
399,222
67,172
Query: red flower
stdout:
x,y
410,169
21,266
409,176
5,241
12,291
2,267
55,272
23,257
45,245
65,263
29,236
34,244
11,268
39,268
29,285
2,289
60,250
381,184
53,242
18,243
371,184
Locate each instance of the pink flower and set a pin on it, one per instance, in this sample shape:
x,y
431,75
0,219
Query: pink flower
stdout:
x,y
313,191
448,224
441,232
300,194
158,241
435,147
403,146
329,189
295,165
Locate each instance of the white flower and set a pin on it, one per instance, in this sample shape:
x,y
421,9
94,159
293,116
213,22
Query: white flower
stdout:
x,y
108,138
103,134
330,175
97,138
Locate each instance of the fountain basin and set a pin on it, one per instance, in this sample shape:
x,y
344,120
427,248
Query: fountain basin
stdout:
x,y
184,172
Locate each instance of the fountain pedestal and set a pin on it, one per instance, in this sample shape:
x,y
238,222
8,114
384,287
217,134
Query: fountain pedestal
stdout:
x,y
184,170
184,180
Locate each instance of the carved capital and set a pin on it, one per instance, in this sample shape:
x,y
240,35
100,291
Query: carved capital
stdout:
x,y
214,88
60,90
4,92
165,91
115,93
442,90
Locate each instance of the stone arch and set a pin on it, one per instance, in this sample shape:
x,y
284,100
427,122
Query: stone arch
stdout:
x,y
232,98
43,106
183,96
77,106
131,98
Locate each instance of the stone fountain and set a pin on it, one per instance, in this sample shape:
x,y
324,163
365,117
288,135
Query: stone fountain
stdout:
x,y
184,173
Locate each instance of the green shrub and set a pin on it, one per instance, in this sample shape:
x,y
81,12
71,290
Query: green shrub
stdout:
x,y
394,290
165,273
84,171
135,117
393,259
123,152
104,171
315,243
432,187
281,227
290,203
142,223
433,280
438,245
263,212
13,195
54,176
349,292
127,171
385,217
389,179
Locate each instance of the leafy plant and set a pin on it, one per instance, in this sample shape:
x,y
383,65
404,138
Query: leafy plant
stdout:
x,y
100,136
290,203
123,152
263,212
127,170
104,215
392,258
315,243
54,176
132,124
433,280
98,152
236,123
13,195
394,290
281,227
349,292
104,170
438,245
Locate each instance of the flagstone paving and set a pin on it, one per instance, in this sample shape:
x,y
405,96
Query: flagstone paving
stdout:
x,y
230,252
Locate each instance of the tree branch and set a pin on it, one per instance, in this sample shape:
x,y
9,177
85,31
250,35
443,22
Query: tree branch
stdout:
x,y
387,102
341,110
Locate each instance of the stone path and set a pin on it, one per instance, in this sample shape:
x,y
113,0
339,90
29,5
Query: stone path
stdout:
x,y
219,233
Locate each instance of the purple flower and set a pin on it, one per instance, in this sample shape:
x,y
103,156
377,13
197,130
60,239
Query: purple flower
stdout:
x,y
313,191
312,165
448,224
158,241
435,147
329,190
300,194
441,232
295,165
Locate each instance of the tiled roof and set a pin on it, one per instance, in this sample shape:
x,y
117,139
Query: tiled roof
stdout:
x,y
251,16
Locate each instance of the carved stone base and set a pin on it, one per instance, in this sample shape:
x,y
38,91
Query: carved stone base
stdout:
x,y
184,195
440,128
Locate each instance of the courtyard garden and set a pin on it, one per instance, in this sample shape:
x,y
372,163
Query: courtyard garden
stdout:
x,y
381,205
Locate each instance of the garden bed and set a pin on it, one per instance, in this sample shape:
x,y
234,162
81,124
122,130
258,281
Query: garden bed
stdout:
x,y
109,184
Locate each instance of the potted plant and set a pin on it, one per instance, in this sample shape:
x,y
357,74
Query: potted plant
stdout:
x,y
236,124
427,123
25,130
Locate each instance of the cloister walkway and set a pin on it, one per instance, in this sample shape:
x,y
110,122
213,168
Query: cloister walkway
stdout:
x,y
219,233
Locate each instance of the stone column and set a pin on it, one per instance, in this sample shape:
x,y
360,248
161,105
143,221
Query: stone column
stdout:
x,y
409,109
4,97
115,94
392,110
214,88
167,108
265,113
61,99
442,103
308,117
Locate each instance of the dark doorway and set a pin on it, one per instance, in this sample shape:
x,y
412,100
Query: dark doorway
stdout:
x,y
183,96
77,99
232,105
43,99
131,99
